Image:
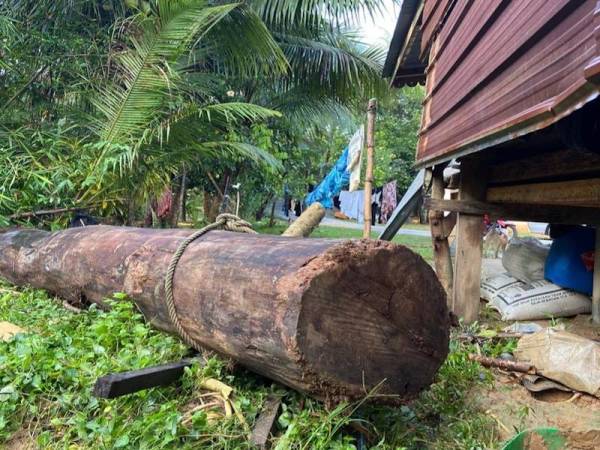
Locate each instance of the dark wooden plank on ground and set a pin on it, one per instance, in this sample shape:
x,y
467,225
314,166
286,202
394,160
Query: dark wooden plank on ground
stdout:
x,y
123,383
264,423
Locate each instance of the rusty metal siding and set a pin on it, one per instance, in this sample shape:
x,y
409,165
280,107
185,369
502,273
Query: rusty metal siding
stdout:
x,y
501,68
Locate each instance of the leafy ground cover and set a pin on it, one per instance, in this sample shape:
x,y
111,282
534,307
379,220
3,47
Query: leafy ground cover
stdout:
x,y
47,375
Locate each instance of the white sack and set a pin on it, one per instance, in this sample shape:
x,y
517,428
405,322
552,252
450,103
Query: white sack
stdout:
x,y
539,300
525,259
490,286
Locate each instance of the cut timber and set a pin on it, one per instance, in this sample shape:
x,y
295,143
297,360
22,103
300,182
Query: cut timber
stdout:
x,y
264,423
534,213
571,193
467,273
328,317
563,164
307,222
123,383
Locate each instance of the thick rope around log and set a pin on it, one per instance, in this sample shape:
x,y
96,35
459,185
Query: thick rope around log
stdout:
x,y
229,222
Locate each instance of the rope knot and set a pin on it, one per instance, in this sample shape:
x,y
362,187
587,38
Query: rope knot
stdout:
x,y
231,222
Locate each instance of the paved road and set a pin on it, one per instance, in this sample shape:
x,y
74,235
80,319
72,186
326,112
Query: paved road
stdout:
x,y
333,222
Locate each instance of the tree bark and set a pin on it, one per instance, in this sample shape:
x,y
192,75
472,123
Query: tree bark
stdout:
x,y
211,207
272,216
260,212
307,222
183,196
328,317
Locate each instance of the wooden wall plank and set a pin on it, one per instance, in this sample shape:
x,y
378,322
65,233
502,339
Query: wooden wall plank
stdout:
x,y
574,215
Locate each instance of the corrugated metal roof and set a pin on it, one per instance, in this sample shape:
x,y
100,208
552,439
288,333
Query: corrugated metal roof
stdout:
x,y
500,69
403,63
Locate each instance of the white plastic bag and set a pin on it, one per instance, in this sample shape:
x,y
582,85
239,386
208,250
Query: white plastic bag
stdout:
x,y
539,300
525,258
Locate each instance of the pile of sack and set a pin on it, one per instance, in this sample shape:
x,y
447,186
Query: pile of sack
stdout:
x,y
543,281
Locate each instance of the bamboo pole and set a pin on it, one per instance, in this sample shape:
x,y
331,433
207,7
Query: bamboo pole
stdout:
x,y
371,114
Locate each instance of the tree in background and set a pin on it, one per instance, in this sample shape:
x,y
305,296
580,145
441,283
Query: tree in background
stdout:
x,y
396,136
107,102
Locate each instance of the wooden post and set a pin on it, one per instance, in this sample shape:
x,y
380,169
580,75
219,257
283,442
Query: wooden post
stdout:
x,y
467,273
596,290
439,235
371,113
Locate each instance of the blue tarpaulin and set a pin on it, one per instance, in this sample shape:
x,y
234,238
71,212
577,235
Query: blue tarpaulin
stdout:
x,y
337,179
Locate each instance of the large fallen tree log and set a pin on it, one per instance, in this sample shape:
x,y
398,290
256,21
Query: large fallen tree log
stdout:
x,y
328,317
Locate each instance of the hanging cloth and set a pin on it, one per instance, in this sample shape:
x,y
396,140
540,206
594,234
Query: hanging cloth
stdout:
x,y
355,158
388,200
345,172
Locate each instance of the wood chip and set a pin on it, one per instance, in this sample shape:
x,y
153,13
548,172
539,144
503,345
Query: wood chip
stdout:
x,y
8,331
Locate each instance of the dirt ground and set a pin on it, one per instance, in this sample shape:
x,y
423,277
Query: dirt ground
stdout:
x,y
515,409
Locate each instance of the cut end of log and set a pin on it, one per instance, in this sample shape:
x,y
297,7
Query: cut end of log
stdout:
x,y
367,321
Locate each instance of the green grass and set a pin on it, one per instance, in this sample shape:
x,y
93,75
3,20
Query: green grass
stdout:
x,y
421,245
47,375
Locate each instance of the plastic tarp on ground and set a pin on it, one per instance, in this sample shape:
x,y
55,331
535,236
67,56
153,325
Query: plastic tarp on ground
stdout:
x,y
345,173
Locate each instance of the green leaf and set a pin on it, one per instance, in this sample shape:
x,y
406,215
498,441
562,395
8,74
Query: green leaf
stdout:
x,y
122,441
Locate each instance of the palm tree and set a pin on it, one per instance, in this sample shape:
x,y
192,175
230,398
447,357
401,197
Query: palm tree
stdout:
x,y
155,112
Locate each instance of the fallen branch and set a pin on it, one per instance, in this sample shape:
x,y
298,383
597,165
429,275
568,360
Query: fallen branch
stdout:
x,y
46,212
307,222
511,366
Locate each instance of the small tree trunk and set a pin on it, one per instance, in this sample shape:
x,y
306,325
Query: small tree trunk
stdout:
x,y
272,218
148,217
183,196
211,207
260,213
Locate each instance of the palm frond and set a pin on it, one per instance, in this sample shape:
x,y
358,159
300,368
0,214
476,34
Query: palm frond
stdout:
x,y
241,45
184,126
314,13
235,111
145,76
336,63
239,149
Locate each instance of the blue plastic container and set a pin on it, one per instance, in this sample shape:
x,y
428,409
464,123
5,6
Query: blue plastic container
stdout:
x,y
570,261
